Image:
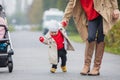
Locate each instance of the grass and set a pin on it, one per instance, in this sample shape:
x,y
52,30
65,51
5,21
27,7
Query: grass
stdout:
x,y
112,50
77,38
11,28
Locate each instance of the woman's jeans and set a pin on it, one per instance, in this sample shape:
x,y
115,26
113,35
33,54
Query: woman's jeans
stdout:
x,y
95,30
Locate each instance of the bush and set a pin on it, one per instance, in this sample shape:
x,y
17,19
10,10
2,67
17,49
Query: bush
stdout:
x,y
11,28
113,39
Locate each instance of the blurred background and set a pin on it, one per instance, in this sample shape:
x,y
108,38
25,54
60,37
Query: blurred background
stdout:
x,y
28,15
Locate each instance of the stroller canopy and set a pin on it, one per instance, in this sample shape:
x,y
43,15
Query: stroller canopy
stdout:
x,y
2,27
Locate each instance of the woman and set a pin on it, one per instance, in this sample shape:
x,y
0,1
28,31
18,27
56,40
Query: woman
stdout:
x,y
93,19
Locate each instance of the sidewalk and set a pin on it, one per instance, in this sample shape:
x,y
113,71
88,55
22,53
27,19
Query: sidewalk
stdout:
x,y
31,62
109,69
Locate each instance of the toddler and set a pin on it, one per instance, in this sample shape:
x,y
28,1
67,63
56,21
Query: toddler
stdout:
x,y
55,39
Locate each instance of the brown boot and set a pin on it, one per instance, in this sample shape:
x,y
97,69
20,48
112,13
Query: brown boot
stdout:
x,y
98,59
88,56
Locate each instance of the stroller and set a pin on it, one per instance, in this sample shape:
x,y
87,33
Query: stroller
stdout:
x,y
6,50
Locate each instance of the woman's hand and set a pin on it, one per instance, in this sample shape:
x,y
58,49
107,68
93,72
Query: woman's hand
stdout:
x,y
116,14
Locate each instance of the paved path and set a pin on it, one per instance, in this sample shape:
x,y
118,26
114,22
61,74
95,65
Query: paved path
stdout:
x,y
31,61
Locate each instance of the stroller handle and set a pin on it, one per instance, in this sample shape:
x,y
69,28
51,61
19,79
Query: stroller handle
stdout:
x,y
1,25
4,39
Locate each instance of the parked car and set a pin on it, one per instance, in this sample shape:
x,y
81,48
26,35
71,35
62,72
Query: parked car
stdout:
x,y
51,14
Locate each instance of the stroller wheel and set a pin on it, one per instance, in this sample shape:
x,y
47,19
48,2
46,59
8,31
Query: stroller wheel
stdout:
x,y
11,52
10,67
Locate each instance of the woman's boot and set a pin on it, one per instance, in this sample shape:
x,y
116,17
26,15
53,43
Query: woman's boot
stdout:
x,y
98,59
88,56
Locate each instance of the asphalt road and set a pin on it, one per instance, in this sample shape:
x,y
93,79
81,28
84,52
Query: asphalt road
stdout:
x,y
31,61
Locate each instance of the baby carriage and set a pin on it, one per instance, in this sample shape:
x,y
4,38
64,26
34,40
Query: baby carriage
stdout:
x,y
6,50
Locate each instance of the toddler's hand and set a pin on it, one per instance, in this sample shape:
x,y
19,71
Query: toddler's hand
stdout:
x,y
41,39
64,23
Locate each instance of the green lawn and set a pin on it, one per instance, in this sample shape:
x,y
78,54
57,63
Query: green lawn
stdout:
x,y
11,28
113,50
75,38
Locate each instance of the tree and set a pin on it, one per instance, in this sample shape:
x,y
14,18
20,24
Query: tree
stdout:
x,y
35,12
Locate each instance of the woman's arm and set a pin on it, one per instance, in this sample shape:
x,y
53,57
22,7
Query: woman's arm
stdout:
x,y
114,4
68,11
116,11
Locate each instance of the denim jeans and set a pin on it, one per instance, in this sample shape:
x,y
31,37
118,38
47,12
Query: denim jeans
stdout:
x,y
95,30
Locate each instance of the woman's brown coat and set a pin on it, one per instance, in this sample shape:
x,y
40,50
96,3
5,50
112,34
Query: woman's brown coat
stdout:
x,y
104,7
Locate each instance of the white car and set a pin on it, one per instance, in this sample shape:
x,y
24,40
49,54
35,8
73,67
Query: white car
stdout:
x,y
51,14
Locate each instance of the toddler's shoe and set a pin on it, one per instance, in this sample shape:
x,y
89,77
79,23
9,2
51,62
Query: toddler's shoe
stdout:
x,y
64,69
52,70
